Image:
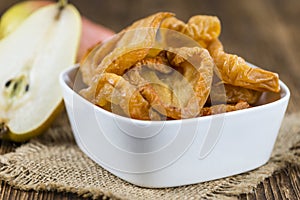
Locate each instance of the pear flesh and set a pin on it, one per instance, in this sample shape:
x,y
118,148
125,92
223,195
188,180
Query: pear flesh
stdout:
x,y
31,59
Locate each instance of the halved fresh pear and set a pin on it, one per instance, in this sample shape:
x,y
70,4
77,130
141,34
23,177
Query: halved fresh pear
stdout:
x,y
31,59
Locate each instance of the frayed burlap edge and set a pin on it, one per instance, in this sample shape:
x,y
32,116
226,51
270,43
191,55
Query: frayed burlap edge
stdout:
x,y
54,162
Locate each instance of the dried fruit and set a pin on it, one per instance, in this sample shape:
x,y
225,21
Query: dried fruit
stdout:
x,y
222,108
116,90
201,28
174,24
154,74
234,70
151,85
134,44
225,93
119,54
182,92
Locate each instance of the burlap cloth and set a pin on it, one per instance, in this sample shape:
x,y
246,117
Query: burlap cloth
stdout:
x,y
54,162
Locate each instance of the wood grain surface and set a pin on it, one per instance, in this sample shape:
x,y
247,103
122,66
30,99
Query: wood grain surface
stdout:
x,y
266,33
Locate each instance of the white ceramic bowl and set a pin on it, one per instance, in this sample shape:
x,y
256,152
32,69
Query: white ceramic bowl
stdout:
x,y
177,152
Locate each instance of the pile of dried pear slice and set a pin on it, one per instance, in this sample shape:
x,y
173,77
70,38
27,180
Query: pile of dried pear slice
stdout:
x,y
162,68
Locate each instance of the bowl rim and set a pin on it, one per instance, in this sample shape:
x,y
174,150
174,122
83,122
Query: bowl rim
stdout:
x,y
284,97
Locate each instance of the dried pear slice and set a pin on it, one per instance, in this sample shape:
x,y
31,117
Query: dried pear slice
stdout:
x,y
174,24
201,28
94,56
124,50
167,96
183,92
233,94
222,108
159,63
152,84
115,89
134,45
197,66
234,70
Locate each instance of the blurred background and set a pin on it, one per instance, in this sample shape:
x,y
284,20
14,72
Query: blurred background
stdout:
x,y
265,33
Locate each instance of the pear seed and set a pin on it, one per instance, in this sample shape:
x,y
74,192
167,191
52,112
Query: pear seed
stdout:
x,y
3,128
27,88
7,84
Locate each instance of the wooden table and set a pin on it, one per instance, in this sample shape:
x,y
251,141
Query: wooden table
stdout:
x,y
266,33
